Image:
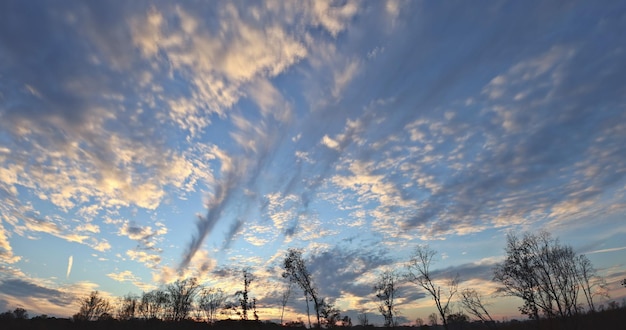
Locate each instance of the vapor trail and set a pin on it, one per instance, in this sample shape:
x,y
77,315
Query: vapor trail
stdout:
x,y
70,261
205,224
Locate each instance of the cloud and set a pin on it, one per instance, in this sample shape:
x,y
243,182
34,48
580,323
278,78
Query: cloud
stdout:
x,y
41,296
436,165
147,236
88,227
83,160
24,289
6,251
151,260
126,275
330,143
344,77
333,17
101,246
478,270
88,165
340,270
201,266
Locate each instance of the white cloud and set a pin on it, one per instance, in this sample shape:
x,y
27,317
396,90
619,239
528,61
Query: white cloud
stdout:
x,y
124,276
147,33
368,186
334,18
6,251
88,227
392,7
188,115
330,143
345,76
146,235
200,267
102,246
270,100
151,260
219,62
520,74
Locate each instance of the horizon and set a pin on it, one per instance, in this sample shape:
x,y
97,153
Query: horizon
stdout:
x,y
146,142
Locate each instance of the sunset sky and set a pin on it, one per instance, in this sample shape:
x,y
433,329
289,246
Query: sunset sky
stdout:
x,y
146,141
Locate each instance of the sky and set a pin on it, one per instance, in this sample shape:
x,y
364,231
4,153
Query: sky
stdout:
x,y
147,141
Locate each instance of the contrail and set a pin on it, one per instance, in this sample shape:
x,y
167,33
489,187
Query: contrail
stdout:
x,y
70,261
608,250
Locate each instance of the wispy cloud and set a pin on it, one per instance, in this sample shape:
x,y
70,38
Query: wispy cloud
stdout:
x,y
6,251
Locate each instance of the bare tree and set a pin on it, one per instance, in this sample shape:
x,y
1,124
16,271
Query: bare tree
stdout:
x,y
419,273
363,319
433,319
346,322
128,307
255,312
20,313
591,284
181,296
329,313
210,301
473,303
284,299
153,304
296,271
244,302
93,307
548,276
386,289
516,274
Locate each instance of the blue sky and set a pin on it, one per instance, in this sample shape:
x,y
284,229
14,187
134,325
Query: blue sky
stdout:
x,y
141,142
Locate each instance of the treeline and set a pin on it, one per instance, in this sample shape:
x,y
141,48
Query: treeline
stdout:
x,y
558,287
611,317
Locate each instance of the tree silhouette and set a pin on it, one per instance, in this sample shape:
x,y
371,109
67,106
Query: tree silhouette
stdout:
x,y
17,314
153,304
363,319
433,319
20,313
93,307
473,303
284,299
243,294
296,271
419,273
386,289
591,284
458,320
128,307
181,296
548,276
210,302
329,313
